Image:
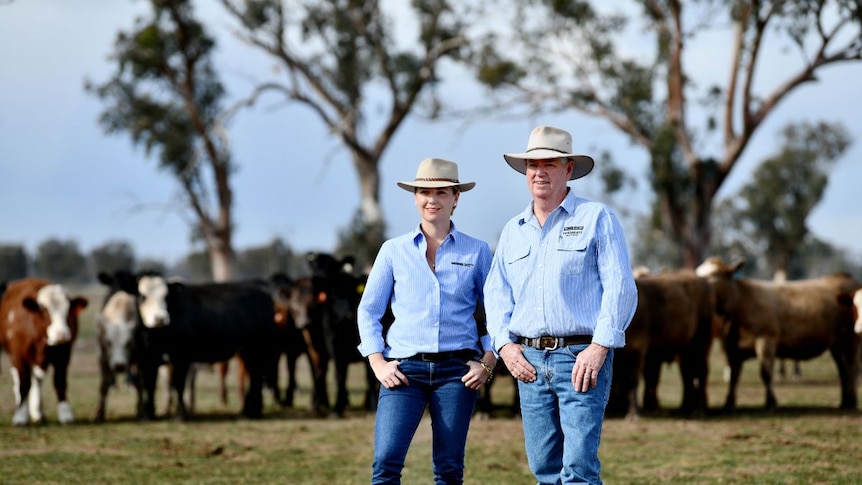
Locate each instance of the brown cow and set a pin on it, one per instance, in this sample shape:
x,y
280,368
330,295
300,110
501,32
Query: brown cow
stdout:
x,y
673,321
794,320
38,327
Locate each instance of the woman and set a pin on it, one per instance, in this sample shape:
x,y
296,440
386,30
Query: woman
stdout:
x,y
432,355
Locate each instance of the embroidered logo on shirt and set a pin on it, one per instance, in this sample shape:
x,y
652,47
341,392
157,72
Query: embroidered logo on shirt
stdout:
x,y
456,263
572,231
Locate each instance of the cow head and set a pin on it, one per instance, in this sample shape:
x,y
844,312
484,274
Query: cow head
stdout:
x,y
720,275
151,291
116,325
62,312
300,301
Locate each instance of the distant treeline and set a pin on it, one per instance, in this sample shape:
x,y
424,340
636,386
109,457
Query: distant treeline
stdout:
x,y
64,262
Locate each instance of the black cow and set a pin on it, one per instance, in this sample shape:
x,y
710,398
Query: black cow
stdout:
x,y
202,323
338,292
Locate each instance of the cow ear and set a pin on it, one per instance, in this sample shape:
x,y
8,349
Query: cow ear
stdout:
x,y
78,304
106,279
30,304
127,282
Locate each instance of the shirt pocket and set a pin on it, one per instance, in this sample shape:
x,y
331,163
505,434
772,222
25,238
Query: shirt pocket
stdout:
x,y
572,252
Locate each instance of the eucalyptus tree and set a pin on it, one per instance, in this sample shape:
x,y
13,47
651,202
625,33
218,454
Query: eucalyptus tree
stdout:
x,y
577,55
772,209
342,60
166,95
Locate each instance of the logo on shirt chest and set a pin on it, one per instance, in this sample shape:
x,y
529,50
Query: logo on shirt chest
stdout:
x,y
573,231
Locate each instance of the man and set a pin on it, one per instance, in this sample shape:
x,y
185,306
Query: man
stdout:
x,y
558,298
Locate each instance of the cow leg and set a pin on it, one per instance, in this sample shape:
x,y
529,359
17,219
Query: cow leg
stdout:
x,y
241,377
652,370
319,363
341,398
734,366
179,375
372,388
287,399
846,357
253,401
765,350
21,382
34,396
60,359
149,377
105,384
222,370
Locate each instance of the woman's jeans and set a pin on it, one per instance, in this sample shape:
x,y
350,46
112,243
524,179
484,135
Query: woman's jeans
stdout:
x,y
563,427
399,410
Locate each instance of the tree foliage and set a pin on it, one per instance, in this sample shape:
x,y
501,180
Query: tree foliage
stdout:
x,y
112,256
14,262
342,61
60,261
771,211
569,55
166,95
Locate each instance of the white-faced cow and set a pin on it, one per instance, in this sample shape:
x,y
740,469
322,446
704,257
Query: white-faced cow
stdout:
x,y
793,320
673,322
202,323
38,328
116,339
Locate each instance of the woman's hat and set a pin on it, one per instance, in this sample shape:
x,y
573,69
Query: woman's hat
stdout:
x,y
549,142
434,173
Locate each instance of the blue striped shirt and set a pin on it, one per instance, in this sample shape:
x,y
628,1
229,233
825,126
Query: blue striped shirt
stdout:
x,y
570,277
433,311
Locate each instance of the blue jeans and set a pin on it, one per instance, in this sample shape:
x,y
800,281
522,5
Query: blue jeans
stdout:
x,y
563,427
438,386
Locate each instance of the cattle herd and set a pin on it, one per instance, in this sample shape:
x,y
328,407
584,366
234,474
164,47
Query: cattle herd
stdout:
x,y
149,324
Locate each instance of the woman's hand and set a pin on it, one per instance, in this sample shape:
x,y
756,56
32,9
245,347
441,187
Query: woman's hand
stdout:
x,y
387,371
479,374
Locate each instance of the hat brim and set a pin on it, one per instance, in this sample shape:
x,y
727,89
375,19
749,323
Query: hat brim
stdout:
x,y
518,161
412,186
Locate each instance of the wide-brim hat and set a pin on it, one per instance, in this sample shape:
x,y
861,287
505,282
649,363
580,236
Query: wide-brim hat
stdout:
x,y
434,173
549,142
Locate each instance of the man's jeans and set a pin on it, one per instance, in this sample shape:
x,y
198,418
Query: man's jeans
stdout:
x,y
437,385
563,427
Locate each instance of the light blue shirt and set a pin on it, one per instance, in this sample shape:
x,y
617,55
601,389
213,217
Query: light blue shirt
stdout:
x,y
433,311
570,277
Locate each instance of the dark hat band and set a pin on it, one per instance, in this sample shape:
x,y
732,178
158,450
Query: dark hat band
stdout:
x,y
545,148
436,179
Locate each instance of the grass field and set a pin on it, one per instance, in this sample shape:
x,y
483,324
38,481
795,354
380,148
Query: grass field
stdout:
x,y
806,441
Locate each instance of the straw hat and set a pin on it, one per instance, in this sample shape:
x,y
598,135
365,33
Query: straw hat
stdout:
x,y
434,173
549,142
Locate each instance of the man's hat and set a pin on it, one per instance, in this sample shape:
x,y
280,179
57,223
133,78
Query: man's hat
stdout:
x,y
548,142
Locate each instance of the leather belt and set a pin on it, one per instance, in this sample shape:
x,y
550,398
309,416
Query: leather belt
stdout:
x,y
462,355
553,343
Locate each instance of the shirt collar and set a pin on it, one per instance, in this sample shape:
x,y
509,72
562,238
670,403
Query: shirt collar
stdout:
x,y
568,205
418,235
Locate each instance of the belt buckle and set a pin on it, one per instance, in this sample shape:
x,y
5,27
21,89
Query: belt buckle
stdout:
x,y
545,347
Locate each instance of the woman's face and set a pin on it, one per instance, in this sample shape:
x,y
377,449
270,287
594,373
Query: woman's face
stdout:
x,y
436,204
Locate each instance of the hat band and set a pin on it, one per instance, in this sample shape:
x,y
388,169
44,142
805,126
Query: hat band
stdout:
x,y
546,148
435,179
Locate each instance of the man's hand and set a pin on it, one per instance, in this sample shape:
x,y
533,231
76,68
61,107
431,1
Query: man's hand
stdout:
x,y
519,367
585,374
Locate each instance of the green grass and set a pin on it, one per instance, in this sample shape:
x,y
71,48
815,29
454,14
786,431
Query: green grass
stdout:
x,y
806,441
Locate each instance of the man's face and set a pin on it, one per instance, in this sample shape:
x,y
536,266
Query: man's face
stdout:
x,y
547,178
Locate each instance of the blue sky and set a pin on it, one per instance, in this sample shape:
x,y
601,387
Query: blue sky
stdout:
x,y
61,176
